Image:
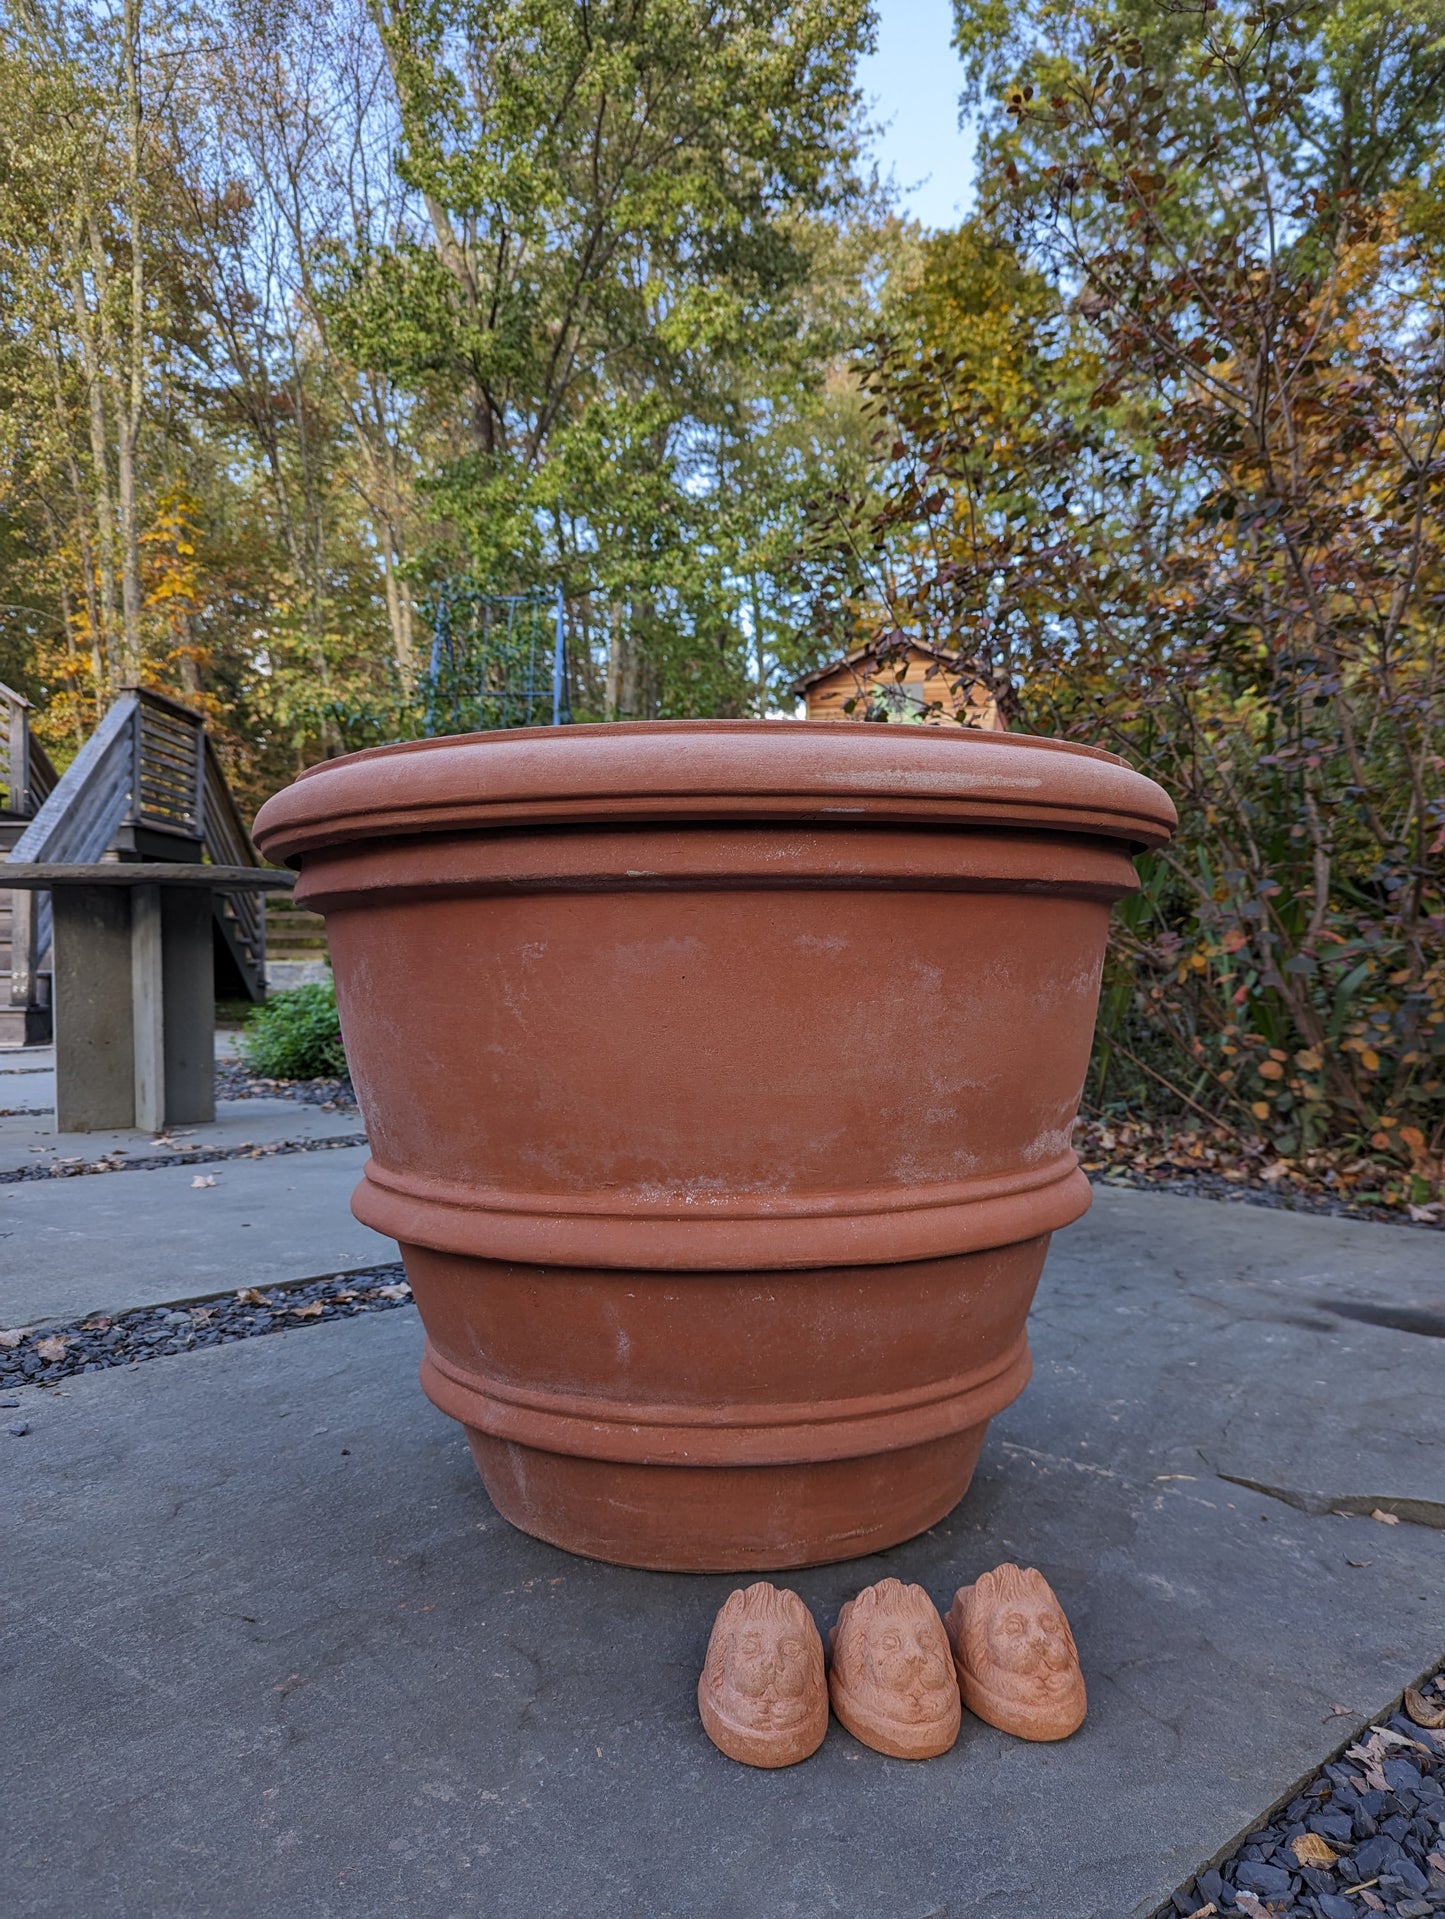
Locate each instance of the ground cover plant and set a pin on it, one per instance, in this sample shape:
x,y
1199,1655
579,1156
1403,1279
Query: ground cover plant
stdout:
x,y
296,1034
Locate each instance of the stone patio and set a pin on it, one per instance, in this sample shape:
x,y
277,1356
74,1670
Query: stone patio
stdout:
x,y
271,1653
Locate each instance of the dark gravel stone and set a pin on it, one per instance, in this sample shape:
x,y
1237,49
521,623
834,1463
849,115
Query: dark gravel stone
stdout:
x,y
1334,1826
20,1427
1270,1882
1334,1905
1374,1857
1404,1872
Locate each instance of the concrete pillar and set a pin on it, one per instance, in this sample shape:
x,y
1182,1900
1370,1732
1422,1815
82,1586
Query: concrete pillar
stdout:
x,y
188,986
135,1007
94,1016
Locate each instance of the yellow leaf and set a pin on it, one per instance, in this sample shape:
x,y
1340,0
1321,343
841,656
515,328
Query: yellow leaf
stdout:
x,y
1270,1069
1310,1850
1260,1109
1385,1519
1369,1059
1309,1060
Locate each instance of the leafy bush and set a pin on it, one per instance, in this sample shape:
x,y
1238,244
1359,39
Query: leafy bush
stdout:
x,y
296,1035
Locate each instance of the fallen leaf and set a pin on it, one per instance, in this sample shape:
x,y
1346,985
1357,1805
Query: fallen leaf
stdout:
x,y
312,1311
403,1291
51,1348
1425,1712
1200,1912
1389,1737
1370,1754
1311,1850
1424,1215
1339,1712
1250,1902
1385,1519
204,1179
1374,1901
12,1337
1359,1562
248,1296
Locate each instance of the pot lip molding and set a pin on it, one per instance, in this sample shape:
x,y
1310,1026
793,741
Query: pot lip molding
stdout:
x,y
837,773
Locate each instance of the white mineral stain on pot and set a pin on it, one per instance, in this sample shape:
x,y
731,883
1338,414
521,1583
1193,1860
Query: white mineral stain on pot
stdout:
x,y
943,780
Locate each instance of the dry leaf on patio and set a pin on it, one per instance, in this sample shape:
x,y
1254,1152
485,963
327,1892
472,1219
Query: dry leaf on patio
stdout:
x,y
1385,1519
204,1179
50,1349
403,1291
1252,1904
1429,1713
1359,1562
12,1337
248,1296
1311,1850
1204,1912
313,1310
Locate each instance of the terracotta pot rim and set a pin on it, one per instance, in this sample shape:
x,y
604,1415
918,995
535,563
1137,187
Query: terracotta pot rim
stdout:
x,y
734,1433
887,1226
840,773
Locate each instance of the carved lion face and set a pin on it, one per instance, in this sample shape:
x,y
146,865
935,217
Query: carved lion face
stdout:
x,y
1017,1634
895,1651
763,1645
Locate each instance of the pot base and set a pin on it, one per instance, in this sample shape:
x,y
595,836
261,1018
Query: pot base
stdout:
x,y
711,1519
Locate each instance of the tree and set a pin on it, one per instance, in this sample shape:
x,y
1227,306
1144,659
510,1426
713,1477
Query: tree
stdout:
x,y
1209,535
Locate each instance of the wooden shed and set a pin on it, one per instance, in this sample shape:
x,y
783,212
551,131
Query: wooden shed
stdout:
x,y
921,683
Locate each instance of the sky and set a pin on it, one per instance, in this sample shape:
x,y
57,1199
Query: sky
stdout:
x,y
913,81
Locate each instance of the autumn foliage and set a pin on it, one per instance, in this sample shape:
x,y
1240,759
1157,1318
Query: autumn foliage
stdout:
x,y
1163,446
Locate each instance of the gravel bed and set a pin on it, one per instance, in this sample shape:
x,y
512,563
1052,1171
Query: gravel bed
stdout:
x,y
235,1080
1280,1200
121,1161
1366,1835
46,1355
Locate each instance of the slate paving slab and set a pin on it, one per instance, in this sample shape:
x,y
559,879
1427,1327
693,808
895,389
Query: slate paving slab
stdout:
x,y
272,1653
110,1241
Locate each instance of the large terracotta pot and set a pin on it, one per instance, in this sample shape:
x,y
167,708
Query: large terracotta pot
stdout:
x,y
719,1079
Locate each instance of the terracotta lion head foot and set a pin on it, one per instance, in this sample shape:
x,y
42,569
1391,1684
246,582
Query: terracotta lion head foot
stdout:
x,y
892,1680
1017,1664
762,1694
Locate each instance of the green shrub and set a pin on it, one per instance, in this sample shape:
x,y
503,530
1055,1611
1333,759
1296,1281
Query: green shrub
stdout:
x,y
296,1035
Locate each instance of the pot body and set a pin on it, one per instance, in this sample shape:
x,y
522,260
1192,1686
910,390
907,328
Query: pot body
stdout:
x,y
723,1145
